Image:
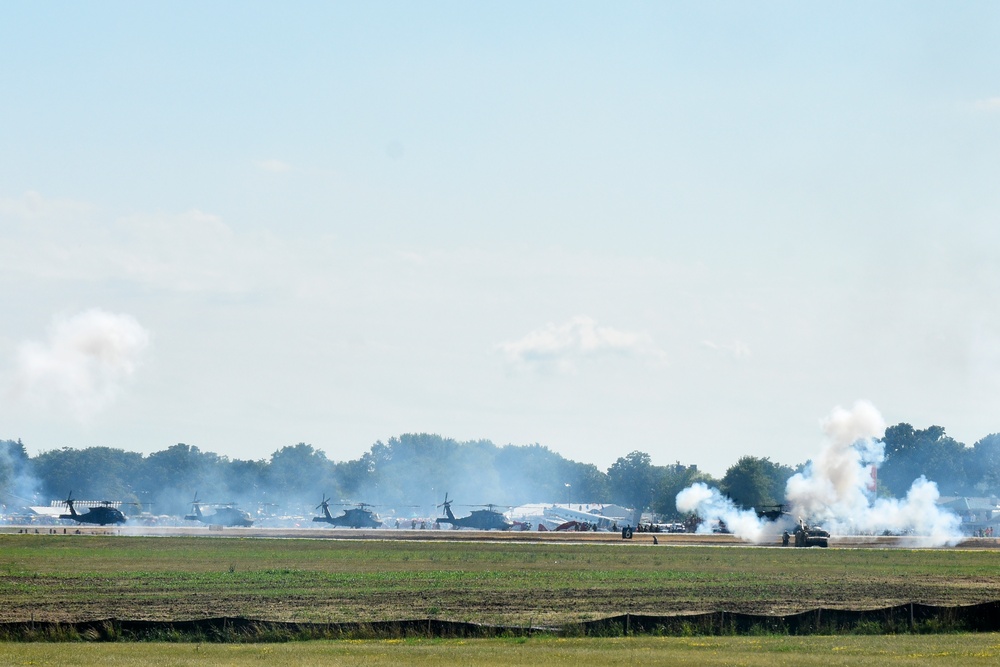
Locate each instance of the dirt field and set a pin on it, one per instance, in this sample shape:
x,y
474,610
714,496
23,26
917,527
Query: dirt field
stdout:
x,y
503,578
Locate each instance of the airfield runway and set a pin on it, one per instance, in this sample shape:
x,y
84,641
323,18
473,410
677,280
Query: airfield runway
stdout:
x,y
320,533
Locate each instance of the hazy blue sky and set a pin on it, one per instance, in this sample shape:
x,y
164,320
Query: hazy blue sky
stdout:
x,y
688,229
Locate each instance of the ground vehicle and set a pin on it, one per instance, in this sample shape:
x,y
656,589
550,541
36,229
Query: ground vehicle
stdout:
x,y
486,519
808,536
101,514
355,517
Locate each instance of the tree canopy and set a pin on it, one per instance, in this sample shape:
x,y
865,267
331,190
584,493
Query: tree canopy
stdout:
x,y
755,482
417,469
910,453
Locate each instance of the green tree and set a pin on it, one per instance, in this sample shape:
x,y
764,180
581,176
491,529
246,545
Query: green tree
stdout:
x,y
591,483
984,466
910,453
672,480
180,466
754,482
94,473
631,480
299,472
351,477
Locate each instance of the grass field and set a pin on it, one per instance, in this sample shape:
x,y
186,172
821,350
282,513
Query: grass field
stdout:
x,y
911,651
72,578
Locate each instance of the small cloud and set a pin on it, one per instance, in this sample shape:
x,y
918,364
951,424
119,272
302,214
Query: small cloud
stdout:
x,y
273,166
737,349
32,206
83,365
411,257
990,105
562,346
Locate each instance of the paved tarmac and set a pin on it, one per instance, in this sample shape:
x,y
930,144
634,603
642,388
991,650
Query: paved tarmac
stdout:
x,y
322,532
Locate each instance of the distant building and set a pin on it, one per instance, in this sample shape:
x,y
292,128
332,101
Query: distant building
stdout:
x,y
976,513
551,515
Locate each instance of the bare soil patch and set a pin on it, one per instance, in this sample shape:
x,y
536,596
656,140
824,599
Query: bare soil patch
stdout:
x,y
482,577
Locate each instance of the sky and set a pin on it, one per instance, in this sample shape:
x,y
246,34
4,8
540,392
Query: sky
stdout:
x,y
689,229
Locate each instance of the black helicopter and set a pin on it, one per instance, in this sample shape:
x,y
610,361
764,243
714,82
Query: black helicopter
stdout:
x,y
354,517
772,512
103,514
487,519
225,515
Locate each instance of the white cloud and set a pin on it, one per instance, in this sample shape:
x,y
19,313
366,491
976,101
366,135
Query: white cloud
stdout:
x,y
737,349
33,206
273,166
411,257
82,366
991,104
191,251
562,346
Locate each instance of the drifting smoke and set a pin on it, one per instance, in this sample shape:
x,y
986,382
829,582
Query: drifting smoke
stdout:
x,y
17,485
82,366
710,504
836,483
836,490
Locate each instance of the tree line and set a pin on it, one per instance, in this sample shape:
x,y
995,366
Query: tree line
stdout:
x,y
416,470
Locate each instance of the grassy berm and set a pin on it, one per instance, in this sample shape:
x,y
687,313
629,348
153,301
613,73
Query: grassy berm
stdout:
x,y
74,578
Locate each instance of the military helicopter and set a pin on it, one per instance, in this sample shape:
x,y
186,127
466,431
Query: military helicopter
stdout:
x,y
354,517
487,519
103,514
225,515
772,512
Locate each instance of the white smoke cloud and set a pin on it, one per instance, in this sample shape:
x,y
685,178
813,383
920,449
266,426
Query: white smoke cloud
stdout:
x,y
81,367
561,346
18,486
709,504
835,490
836,482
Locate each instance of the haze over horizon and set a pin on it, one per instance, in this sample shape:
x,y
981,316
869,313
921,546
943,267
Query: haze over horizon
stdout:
x,y
682,229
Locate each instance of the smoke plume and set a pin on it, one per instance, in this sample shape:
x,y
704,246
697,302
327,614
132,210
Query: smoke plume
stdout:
x,y
709,504
836,487
836,490
81,367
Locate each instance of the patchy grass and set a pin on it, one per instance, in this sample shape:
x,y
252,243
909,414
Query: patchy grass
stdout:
x,y
70,578
912,651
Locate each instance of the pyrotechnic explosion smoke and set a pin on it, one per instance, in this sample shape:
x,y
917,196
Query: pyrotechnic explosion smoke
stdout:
x,y
834,489
835,483
17,484
83,364
710,504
